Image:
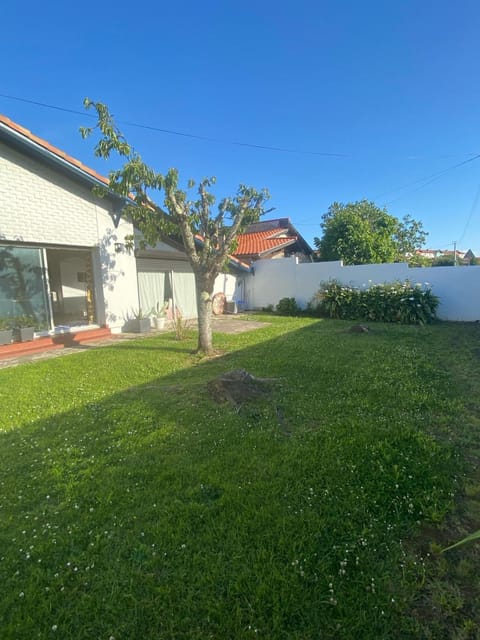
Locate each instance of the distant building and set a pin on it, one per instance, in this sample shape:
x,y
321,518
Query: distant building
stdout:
x,y
428,253
469,257
462,257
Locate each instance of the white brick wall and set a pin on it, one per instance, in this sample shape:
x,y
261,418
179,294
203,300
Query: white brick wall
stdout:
x,y
40,205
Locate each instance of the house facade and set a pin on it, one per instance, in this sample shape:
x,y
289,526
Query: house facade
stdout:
x,y
62,249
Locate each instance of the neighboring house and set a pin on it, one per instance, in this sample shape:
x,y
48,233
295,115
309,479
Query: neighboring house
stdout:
x,y
469,257
430,254
462,257
459,255
62,248
272,239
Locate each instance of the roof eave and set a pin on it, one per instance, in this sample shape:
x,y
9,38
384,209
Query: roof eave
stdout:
x,y
277,247
300,239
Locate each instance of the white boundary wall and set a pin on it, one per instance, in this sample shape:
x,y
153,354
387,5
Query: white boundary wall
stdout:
x,y
457,287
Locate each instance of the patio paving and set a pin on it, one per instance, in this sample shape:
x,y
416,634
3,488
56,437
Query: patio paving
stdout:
x,y
221,324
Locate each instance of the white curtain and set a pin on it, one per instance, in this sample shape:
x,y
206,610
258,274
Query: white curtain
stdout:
x,y
151,290
184,296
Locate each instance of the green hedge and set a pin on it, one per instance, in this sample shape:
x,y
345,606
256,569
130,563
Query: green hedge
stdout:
x,y
399,302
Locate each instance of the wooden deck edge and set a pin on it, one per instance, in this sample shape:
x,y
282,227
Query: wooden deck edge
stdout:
x,y
58,341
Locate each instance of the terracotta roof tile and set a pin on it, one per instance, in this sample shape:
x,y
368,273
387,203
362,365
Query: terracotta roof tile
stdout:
x,y
250,244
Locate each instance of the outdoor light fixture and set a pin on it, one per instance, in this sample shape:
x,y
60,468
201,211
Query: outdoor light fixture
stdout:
x,y
119,247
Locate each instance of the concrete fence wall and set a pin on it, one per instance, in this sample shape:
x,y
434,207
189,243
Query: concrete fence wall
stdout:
x,y
457,287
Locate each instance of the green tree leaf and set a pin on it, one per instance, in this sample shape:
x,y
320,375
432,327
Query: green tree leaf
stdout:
x,y
363,233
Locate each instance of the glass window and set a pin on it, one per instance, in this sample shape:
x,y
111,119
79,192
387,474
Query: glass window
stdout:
x,y
23,290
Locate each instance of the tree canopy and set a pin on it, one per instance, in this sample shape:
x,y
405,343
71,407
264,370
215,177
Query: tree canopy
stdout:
x,y
362,233
207,235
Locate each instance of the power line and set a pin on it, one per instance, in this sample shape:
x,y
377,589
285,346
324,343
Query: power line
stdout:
x,y
179,133
422,182
470,215
426,180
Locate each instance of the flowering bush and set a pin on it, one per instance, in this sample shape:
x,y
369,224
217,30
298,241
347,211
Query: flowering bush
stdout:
x,y
400,302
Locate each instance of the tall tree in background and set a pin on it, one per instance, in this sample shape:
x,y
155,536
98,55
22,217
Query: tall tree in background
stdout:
x,y
409,237
362,233
207,236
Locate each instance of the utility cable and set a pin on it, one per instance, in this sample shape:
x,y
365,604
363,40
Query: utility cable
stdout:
x,y
470,215
179,133
426,180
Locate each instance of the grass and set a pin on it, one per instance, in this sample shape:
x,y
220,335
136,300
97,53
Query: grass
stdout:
x,y
134,507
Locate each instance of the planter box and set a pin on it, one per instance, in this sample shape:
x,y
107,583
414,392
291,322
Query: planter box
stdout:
x,y
6,336
137,325
24,334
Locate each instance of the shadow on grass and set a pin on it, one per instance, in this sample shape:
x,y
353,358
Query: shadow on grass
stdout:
x,y
138,346
155,513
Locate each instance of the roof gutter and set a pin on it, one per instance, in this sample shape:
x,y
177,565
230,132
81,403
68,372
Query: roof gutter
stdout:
x,y
242,266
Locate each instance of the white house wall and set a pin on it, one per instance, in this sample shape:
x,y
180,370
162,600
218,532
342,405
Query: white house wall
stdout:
x,y
457,287
227,283
183,282
39,205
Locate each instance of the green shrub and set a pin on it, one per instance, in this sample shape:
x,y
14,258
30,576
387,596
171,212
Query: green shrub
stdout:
x,y
288,307
399,302
315,308
20,322
6,323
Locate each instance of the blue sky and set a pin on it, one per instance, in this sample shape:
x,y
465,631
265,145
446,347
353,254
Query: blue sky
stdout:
x,y
391,86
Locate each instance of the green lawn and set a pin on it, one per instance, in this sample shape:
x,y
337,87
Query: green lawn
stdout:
x,y
132,506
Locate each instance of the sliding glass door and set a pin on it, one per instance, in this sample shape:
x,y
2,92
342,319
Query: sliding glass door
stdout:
x,y
71,287
53,287
23,287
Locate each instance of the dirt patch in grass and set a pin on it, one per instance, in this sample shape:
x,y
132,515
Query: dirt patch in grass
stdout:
x,y
239,387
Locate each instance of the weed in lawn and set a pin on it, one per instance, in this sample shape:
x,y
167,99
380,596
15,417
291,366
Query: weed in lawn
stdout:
x,y
181,326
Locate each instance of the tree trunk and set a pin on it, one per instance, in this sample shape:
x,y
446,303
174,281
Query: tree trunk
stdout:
x,y
204,311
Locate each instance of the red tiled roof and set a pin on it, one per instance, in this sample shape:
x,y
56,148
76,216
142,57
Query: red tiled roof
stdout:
x,y
250,244
231,257
49,147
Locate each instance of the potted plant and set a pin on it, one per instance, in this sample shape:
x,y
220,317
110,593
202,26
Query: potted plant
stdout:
x,y
23,328
159,314
6,332
138,321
